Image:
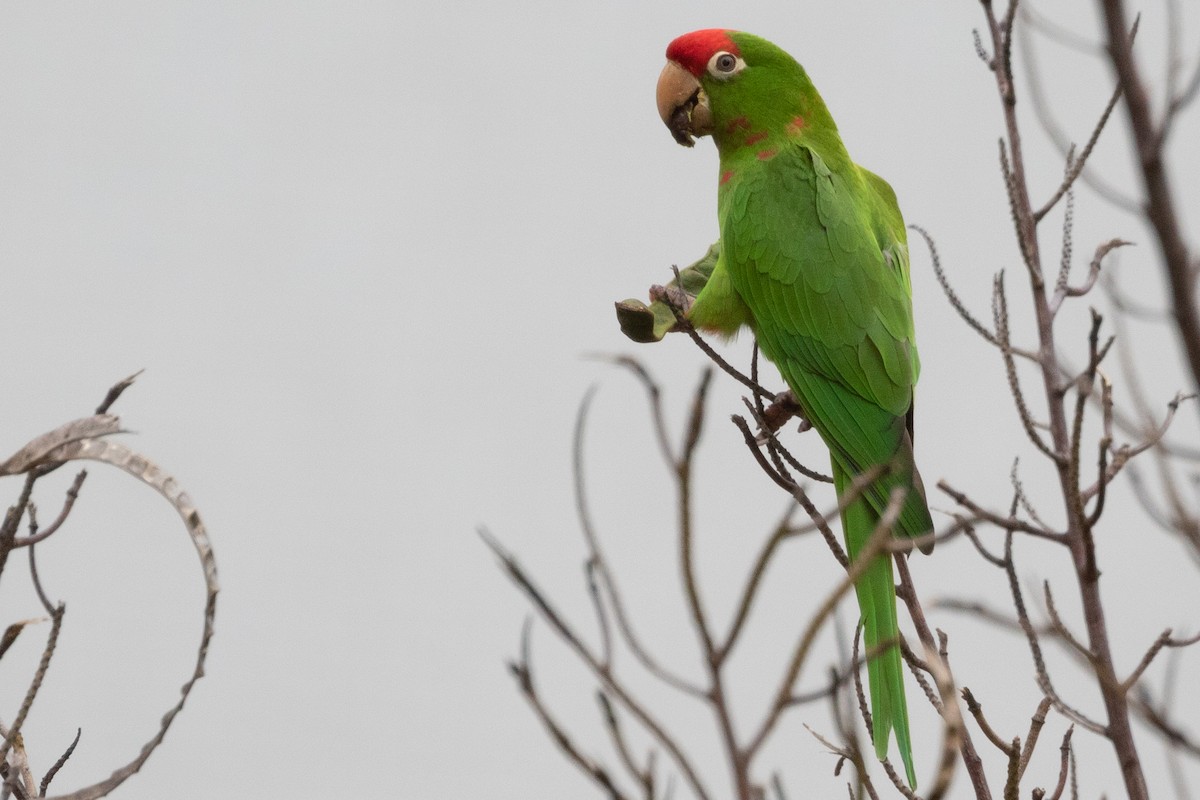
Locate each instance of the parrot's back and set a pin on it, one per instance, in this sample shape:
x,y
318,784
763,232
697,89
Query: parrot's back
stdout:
x,y
823,270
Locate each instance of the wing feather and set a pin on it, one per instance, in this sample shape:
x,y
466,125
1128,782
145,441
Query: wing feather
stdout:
x,y
820,258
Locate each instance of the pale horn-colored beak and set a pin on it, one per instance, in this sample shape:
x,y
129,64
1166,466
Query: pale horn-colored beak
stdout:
x,y
682,104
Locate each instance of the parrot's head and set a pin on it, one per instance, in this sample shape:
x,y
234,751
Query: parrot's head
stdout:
x,y
717,78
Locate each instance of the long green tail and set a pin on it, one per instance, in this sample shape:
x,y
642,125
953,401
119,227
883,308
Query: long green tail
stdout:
x,y
876,591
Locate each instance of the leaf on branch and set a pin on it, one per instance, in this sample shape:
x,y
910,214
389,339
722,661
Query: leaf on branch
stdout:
x,y
13,631
650,323
42,447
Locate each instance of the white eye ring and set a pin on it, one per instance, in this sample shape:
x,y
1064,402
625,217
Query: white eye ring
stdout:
x,y
724,65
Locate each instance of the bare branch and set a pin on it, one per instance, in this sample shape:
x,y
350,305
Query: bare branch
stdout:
x,y
742,611
1065,749
953,730
643,775
598,670
1061,629
685,325
1126,452
976,710
1164,640
597,558
1000,315
1064,36
1042,674
34,685
654,395
1045,116
1075,166
776,448
72,495
59,764
795,490
854,757
1031,738
1023,500
523,673
116,391
1006,523
1065,291
957,302
907,592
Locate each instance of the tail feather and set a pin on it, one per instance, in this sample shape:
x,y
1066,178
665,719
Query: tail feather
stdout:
x,y
877,601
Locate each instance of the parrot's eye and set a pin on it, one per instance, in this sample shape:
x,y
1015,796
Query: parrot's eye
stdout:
x,y
723,65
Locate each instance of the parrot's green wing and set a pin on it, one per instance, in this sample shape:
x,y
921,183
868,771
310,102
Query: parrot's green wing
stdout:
x,y
819,257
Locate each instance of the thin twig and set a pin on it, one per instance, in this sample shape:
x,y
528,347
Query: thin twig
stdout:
x,y
643,775
1042,674
953,730
906,591
38,677
1000,316
1060,627
606,579
523,673
795,490
1065,290
685,325
976,710
68,504
1164,640
59,764
1035,730
656,730
1000,521
749,591
1065,749
1075,166
116,391
1043,111
956,302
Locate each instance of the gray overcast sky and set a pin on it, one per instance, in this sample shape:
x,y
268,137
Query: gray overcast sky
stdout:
x,y
361,250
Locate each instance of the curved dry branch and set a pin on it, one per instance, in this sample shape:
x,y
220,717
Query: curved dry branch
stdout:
x,y
605,580
79,440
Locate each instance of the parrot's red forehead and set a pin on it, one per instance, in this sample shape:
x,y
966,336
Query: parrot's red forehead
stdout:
x,y
693,50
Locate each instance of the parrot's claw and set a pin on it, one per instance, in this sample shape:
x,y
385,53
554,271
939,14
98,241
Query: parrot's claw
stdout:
x,y
673,296
776,415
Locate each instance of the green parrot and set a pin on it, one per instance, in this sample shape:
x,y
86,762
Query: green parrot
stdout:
x,y
814,259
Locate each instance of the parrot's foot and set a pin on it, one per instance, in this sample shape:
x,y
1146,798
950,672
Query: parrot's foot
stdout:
x,y
776,415
673,296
